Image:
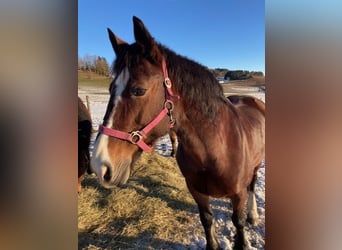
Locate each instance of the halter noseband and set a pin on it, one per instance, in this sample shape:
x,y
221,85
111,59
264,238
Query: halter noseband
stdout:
x,y
136,137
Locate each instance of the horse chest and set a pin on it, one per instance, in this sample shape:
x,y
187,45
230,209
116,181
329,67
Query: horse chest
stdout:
x,y
208,178
209,183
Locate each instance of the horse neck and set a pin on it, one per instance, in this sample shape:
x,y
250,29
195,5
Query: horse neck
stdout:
x,y
201,97
200,136
198,123
193,82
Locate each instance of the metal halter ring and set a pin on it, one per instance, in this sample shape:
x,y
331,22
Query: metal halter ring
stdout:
x,y
169,105
167,82
135,137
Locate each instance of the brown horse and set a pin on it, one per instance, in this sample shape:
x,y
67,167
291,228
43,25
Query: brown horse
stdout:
x,y
221,144
84,133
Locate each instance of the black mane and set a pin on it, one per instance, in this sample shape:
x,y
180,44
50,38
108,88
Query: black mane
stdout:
x,y
194,82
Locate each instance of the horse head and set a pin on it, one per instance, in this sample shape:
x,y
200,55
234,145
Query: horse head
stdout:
x,y
139,109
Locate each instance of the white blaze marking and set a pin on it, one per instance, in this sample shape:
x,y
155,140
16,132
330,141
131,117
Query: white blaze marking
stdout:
x,y
100,153
120,85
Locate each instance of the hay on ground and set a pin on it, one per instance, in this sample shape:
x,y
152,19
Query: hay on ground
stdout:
x,y
153,210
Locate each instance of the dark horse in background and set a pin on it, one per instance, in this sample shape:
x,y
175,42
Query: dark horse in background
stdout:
x,y
221,142
84,134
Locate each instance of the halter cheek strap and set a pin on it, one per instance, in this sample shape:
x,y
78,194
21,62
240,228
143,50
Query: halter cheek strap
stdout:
x,y
136,137
167,82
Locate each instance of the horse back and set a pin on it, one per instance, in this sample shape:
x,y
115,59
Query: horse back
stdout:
x,y
83,112
251,117
239,100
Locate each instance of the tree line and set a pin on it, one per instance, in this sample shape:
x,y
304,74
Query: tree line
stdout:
x,y
99,65
93,63
236,74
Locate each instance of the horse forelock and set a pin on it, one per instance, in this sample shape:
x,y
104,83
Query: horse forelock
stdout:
x,y
129,58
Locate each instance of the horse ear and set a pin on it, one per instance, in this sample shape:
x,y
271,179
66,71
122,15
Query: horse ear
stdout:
x,y
117,44
142,35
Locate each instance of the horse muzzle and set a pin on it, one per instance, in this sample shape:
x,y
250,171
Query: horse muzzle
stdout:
x,y
111,175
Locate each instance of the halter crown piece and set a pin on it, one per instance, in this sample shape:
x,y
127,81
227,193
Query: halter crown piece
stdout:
x,y
136,137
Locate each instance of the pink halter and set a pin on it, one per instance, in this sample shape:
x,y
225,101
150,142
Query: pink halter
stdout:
x,y
136,137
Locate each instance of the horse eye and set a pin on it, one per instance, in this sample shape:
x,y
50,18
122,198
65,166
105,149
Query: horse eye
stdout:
x,y
138,91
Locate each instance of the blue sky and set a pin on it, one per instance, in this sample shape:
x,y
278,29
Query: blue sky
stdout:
x,y
218,34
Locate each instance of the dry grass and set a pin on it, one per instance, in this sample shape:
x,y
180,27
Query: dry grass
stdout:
x,y
86,78
153,210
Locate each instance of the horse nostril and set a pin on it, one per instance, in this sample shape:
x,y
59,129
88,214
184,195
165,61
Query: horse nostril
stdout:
x,y
107,176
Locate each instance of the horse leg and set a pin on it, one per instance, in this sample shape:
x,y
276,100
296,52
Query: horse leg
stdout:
x,y
239,219
83,166
173,138
79,186
252,214
206,216
89,170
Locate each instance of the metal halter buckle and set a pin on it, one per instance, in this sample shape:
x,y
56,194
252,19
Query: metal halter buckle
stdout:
x,y
167,82
169,105
135,137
